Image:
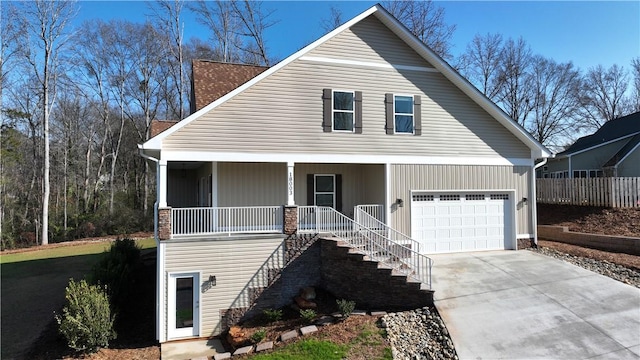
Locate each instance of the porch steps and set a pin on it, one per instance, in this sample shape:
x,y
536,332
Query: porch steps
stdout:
x,y
371,281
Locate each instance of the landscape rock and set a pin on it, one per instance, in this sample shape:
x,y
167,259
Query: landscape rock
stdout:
x,y
289,335
308,329
616,272
243,350
264,346
222,356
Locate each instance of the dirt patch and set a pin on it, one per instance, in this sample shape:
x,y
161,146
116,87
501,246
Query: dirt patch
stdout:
x,y
593,220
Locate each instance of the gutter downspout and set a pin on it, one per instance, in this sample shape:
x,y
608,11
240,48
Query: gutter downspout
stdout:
x,y
159,250
534,206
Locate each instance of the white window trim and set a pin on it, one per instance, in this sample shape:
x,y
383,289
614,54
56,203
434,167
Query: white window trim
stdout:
x,y
413,116
315,192
353,112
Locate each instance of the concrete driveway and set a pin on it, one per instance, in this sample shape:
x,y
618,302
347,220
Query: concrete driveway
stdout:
x,y
523,305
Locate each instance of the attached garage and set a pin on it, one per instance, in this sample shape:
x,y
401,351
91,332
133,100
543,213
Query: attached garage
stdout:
x,y
460,221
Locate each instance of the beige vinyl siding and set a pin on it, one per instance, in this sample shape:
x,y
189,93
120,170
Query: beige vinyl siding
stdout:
x,y
630,167
405,178
371,41
361,184
252,184
232,261
283,114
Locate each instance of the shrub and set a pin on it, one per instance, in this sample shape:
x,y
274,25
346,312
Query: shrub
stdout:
x,y
116,270
272,315
259,335
86,321
308,315
345,307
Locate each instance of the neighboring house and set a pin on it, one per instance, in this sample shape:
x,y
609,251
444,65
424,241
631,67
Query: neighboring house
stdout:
x,y
365,122
612,151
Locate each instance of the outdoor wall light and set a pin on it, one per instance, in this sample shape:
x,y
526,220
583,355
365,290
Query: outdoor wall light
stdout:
x,y
524,200
400,202
212,280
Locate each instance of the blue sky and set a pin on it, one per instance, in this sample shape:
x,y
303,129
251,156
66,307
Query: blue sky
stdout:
x,y
587,33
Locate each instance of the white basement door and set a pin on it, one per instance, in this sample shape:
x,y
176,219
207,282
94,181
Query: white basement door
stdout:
x,y
462,221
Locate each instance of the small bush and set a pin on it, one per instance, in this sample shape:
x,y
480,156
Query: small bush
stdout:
x,y
258,336
272,315
86,321
345,307
308,315
116,270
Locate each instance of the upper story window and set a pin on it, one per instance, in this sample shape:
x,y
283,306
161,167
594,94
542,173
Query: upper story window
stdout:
x,y
403,114
342,111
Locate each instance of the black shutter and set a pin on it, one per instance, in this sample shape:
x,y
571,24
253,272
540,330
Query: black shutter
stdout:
x,y
388,103
417,115
327,117
311,199
339,192
358,112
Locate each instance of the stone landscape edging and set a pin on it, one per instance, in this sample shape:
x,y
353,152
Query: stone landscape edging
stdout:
x,y
613,243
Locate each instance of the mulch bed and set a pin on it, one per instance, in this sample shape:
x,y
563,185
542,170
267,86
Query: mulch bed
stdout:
x,y
593,220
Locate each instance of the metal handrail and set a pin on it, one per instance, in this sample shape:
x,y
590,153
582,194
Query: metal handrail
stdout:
x,y
372,243
363,217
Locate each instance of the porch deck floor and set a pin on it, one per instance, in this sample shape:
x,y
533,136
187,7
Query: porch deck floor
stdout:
x,y
190,349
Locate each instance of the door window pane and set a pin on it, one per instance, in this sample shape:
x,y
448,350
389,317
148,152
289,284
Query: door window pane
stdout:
x,y
324,183
324,200
184,302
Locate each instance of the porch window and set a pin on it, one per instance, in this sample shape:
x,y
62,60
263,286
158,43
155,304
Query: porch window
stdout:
x,y
325,190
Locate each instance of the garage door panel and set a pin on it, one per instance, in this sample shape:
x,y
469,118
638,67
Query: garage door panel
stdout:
x,y
461,222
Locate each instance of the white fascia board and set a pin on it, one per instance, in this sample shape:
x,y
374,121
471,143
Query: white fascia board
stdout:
x,y
539,150
599,145
341,158
156,142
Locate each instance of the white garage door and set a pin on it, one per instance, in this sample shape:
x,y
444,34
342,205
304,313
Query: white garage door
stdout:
x,y
454,222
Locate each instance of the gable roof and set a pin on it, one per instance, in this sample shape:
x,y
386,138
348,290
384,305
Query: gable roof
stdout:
x,y
612,130
537,149
623,152
212,80
158,126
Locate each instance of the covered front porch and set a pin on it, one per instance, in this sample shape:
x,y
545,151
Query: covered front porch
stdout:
x,y
226,198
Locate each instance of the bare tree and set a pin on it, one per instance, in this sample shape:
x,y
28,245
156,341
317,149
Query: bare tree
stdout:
x,y
635,94
604,95
426,21
169,13
255,21
555,101
220,17
46,22
334,20
515,92
481,63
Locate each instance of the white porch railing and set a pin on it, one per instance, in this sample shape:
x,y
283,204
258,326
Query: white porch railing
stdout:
x,y
371,242
375,211
366,218
226,220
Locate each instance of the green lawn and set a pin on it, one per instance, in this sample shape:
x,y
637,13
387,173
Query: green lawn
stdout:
x,y
32,288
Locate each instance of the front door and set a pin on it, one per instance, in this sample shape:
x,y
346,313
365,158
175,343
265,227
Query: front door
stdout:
x,y
184,305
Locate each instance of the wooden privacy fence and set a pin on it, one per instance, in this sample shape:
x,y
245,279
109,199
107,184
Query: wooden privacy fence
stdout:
x,y
609,191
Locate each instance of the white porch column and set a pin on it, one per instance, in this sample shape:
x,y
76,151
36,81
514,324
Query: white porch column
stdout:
x,y
214,184
162,184
290,184
387,194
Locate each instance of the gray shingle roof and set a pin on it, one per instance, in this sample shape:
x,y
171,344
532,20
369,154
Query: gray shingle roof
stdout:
x,y
611,130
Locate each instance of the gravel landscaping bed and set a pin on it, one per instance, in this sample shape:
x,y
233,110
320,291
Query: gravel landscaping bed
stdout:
x,y
602,267
418,334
